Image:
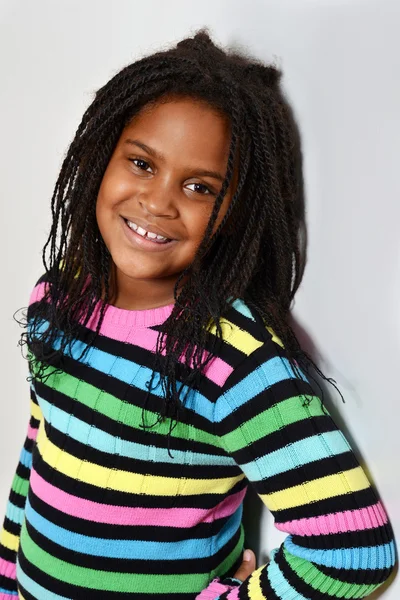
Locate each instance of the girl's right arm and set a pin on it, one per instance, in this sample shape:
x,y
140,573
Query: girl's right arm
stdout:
x,y
9,538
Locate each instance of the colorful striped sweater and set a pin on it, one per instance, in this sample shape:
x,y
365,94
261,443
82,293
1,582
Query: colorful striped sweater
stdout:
x,y
99,510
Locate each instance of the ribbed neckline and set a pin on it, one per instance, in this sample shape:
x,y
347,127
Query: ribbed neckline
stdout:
x,y
136,318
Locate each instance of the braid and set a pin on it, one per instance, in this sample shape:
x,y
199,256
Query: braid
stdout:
x,y
255,253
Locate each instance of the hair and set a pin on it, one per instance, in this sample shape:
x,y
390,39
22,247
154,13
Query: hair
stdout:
x,y
260,259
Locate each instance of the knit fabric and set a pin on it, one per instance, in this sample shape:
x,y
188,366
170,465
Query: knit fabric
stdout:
x,y
99,510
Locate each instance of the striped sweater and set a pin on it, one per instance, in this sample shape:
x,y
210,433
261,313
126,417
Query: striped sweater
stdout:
x,y
99,510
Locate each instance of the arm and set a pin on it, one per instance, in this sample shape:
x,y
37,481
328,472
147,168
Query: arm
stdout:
x,y
9,537
340,542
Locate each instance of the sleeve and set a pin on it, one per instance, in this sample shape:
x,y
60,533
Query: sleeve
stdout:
x,y
9,537
340,542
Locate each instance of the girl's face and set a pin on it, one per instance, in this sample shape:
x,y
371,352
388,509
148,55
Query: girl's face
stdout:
x,y
163,177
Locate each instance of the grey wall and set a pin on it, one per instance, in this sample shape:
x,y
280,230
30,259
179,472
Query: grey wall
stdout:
x,y
341,71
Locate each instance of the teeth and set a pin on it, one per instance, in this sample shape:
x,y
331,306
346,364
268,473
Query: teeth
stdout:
x,y
144,233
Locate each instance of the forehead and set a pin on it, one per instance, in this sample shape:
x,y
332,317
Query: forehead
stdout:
x,y
182,126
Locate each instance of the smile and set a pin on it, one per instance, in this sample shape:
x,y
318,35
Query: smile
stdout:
x,y
143,239
154,237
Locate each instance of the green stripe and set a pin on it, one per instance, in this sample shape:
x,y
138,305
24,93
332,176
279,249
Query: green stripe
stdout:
x,y
109,580
113,407
20,486
230,560
270,420
325,584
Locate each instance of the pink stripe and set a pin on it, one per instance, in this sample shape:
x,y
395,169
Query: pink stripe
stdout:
x,y
234,594
215,589
32,432
349,520
120,515
7,568
217,370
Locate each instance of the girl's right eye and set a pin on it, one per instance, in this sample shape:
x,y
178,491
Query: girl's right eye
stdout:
x,y
140,163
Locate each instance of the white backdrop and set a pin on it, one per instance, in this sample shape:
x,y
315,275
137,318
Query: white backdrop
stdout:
x,y
341,63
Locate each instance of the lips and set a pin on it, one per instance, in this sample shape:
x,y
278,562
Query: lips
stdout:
x,y
143,227
142,242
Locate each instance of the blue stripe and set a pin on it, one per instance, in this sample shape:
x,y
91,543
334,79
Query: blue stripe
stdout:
x,y
35,589
132,373
26,458
314,448
105,442
134,549
4,591
242,308
371,557
280,584
267,374
14,513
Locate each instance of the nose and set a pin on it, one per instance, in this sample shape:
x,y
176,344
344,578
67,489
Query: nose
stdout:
x,y
158,199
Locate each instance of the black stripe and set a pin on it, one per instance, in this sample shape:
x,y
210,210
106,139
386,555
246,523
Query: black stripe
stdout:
x,y
7,584
116,498
148,437
357,576
297,582
162,566
132,465
352,539
11,526
268,397
352,501
156,533
7,553
293,432
82,593
126,392
306,472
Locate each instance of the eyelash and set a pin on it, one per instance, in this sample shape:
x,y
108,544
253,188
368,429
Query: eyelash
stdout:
x,y
210,192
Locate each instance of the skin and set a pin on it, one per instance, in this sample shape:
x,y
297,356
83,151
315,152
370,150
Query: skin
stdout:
x,y
170,194
167,192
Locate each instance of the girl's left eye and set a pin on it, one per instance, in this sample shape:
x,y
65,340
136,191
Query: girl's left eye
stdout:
x,y
140,163
203,189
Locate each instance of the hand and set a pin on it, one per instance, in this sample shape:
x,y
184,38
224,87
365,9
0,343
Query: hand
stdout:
x,y
247,566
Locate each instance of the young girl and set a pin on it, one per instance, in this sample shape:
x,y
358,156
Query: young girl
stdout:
x,y
164,374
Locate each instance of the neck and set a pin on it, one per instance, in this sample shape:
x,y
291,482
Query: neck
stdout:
x,y
142,294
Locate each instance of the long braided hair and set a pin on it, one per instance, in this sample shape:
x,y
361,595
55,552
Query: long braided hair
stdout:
x,y
260,260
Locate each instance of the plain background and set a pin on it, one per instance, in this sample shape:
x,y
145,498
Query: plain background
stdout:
x,y
341,63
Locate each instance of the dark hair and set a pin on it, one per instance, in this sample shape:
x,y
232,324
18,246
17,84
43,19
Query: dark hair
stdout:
x,y
260,259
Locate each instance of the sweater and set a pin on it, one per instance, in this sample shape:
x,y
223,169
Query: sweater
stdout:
x,y
100,510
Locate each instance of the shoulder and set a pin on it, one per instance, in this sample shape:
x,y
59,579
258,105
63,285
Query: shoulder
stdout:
x,y
257,357
243,331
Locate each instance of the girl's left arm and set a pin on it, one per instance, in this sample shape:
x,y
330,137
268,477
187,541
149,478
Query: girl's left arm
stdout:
x,y
340,543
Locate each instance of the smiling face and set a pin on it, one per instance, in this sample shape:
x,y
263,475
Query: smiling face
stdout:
x,y
163,177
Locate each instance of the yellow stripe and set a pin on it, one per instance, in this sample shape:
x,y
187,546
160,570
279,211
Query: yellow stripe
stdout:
x,y
320,489
233,335
275,338
125,481
9,540
35,411
254,586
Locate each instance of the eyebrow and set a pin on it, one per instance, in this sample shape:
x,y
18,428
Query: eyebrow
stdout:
x,y
159,156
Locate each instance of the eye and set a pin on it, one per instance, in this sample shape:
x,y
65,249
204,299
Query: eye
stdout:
x,y
202,189
140,163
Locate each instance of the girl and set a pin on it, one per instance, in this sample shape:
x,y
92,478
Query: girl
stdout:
x,y
164,374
